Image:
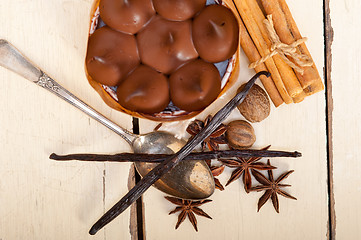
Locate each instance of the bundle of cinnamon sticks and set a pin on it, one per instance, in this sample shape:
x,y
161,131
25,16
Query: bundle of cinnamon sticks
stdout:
x,y
287,84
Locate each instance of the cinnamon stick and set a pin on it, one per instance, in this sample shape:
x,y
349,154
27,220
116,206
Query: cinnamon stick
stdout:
x,y
288,76
253,55
300,97
157,158
262,47
288,33
314,87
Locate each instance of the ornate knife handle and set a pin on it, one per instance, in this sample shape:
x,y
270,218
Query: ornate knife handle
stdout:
x,y
14,60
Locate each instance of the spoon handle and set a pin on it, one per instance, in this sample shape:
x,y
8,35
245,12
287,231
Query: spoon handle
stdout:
x,y
14,60
173,160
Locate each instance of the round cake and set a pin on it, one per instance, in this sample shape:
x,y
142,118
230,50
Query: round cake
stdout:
x,y
215,33
163,60
144,90
127,16
178,10
195,85
166,45
111,56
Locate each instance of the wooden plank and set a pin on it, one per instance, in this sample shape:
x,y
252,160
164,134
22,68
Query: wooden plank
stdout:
x,y
299,127
40,198
346,113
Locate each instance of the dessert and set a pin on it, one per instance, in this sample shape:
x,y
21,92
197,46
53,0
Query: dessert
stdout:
x,y
127,16
195,85
111,56
144,90
165,45
178,10
215,33
164,49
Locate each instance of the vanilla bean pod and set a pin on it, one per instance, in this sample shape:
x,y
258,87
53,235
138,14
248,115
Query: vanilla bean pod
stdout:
x,y
134,157
165,166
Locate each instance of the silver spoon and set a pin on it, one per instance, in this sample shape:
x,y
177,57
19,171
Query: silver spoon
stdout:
x,y
189,179
174,159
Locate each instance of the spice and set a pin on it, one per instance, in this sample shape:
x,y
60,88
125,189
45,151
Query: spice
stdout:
x,y
288,33
256,106
188,208
278,40
253,55
253,30
272,187
240,134
274,48
243,166
216,171
213,141
142,157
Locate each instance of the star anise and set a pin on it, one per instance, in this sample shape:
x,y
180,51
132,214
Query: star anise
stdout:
x,y
188,208
272,187
213,141
244,165
216,171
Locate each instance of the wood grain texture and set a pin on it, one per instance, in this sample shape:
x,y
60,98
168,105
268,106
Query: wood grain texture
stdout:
x,y
346,129
39,198
299,127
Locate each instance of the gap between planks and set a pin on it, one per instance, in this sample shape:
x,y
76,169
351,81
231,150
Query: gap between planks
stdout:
x,y
137,223
137,215
328,38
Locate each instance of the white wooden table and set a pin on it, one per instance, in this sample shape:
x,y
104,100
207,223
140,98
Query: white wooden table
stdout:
x,y
43,199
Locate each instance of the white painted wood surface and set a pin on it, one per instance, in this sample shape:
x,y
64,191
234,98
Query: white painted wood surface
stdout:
x,y
346,78
290,127
40,198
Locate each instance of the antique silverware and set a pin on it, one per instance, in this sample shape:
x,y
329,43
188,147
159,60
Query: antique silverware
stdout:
x,y
190,179
173,160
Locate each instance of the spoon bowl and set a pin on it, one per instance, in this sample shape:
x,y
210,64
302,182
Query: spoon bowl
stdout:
x,y
192,177
189,180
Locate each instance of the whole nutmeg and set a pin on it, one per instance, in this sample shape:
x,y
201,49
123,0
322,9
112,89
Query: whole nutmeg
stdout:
x,y
240,134
256,106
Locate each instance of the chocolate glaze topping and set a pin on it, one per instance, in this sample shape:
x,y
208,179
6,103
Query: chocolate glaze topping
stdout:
x,y
111,56
195,85
178,10
140,45
215,33
128,16
144,90
166,45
